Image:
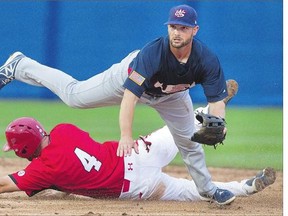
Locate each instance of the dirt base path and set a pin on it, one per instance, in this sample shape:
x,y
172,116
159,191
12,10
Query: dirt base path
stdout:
x,y
268,202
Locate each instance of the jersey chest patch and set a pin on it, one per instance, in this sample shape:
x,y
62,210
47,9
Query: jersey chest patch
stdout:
x,y
168,89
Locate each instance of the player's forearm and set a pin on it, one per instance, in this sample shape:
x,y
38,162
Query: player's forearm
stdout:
x,y
127,113
217,109
7,185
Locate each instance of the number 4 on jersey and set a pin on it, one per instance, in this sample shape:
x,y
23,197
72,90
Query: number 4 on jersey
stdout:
x,y
87,160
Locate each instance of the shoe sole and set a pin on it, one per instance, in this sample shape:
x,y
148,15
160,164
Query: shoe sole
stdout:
x,y
267,178
227,202
232,89
212,200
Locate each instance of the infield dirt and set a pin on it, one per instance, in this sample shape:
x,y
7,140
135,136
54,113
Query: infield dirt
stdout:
x,y
267,202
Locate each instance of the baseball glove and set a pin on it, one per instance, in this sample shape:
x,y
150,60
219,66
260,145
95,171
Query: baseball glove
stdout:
x,y
211,132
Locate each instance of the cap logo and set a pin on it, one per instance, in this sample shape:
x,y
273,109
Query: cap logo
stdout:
x,y
180,13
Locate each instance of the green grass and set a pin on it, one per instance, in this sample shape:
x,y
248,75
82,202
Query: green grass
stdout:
x,y
254,139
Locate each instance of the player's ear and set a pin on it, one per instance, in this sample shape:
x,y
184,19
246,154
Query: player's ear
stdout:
x,y
195,30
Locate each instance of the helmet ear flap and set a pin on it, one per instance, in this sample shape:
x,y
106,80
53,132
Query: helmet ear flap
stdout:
x,y
24,136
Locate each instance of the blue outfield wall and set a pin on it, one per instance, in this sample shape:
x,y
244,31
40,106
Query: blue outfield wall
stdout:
x,y
84,38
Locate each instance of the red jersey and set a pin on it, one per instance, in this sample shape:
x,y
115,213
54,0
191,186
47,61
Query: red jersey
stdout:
x,y
73,162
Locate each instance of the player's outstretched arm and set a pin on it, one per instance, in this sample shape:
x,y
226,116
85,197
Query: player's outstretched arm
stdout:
x,y
126,115
7,185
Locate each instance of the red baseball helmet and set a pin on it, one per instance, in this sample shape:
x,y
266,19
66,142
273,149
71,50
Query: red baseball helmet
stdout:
x,y
24,136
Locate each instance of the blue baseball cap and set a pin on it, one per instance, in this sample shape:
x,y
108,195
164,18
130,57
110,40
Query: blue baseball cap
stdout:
x,y
182,15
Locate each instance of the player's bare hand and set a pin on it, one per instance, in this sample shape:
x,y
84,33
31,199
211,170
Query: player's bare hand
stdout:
x,y
125,147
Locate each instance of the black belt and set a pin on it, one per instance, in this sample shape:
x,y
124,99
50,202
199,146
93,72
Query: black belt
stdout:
x,y
155,95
